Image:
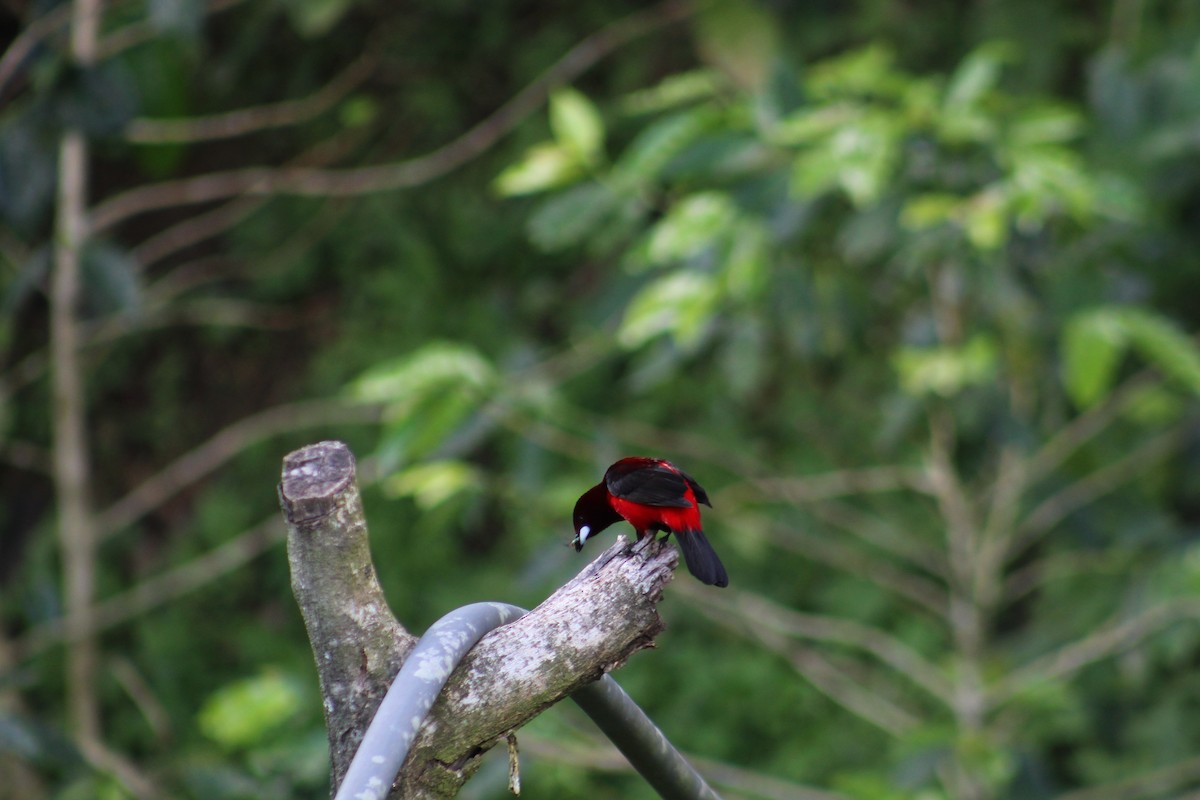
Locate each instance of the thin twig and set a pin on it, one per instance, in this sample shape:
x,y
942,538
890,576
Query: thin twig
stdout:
x,y
57,19
27,456
1116,636
104,759
815,492
72,478
193,230
834,552
224,445
826,678
833,681
1012,476
202,312
127,675
962,530
159,589
1156,783
840,483
1086,427
199,227
36,32
1042,519
758,611
253,119
143,31
881,534
595,752
1029,578
309,182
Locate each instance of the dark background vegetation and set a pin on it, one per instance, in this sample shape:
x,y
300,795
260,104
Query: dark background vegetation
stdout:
x,y
909,287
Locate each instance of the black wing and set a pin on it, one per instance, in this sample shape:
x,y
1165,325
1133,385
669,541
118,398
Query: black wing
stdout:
x,y
697,489
649,482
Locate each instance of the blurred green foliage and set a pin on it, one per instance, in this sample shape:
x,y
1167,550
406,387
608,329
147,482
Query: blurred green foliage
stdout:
x,y
911,291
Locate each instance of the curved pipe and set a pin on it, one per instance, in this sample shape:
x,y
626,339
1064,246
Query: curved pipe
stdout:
x,y
394,728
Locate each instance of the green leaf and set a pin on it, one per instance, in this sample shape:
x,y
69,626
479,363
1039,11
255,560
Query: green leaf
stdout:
x,y
577,126
98,100
1095,340
679,305
869,71
815,123
1092,345
314,18
36,742
738,37
692,225
859,157
978,73
929,210
643,161
433,483
567,219
415,376
183,17
1119,198
747,261
429,394
1163,344
245,712
1047,124
673,91
947,370
1155,406
111,280
1048,181
416,430
986,220
28,168
545,166
358,111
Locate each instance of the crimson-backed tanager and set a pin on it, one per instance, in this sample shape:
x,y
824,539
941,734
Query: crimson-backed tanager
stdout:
x,y
652,495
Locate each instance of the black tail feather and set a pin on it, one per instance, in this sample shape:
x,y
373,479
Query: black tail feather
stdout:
x,y
701,559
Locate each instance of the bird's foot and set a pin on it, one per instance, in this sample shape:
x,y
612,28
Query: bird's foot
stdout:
x,y
641,544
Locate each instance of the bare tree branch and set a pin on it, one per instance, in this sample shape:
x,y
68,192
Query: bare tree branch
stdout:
x,y
130,678
72,480
833,551
597,753
27,456
1029,578
1011,481
142,31
398,175
57,19
202,312
758,612
224,445
200,227
155,591
1084,428
1117,636
1160,782
840,483
962,527
821,674
249,120
881,534
21,47
1087,490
